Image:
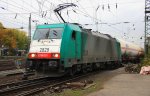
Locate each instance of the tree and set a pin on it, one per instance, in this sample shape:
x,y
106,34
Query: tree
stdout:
x,y
13,38
1,26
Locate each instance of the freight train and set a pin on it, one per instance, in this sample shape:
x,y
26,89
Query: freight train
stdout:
x,y
130,52
67,48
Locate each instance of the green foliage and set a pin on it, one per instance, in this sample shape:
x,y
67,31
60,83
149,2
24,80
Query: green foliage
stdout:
x,y
1,26
21,39
12,38
146,61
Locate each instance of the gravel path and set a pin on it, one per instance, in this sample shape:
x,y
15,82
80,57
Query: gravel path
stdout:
x,y
126,85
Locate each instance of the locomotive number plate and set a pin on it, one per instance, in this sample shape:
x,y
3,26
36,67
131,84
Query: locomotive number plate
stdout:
x,y
44,49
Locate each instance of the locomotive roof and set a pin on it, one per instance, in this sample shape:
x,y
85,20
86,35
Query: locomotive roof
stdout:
x,y
75,26
51,25
95,33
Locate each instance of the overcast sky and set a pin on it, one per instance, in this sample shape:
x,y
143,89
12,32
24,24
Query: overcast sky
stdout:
x,y
120,18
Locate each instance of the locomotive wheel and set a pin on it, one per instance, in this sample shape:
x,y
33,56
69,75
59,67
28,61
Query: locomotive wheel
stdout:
x,y
90,67
72,71
96,66
84,69
109,66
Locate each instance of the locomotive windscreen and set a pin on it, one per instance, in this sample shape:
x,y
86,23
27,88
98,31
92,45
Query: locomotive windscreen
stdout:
x,y
53,33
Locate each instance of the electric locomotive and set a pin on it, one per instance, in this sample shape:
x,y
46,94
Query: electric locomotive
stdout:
x,y
58,49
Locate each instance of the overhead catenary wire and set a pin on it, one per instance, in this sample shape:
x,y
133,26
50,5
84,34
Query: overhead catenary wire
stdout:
x,y
79,12
11,10
13,19
20,8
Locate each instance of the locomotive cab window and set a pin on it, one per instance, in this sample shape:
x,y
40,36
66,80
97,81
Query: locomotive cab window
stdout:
x,y
53,33
73,35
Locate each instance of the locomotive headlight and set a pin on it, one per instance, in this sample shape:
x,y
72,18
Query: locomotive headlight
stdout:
x,y
33,55
56,55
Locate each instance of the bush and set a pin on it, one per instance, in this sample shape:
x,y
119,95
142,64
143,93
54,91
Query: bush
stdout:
x,y
146,61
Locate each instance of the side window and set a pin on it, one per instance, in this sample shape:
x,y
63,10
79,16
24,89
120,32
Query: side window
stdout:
x,y
73,36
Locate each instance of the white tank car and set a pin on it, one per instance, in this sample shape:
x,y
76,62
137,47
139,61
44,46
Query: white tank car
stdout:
x,y
130,49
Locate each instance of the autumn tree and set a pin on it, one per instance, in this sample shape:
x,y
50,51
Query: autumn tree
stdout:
x,y
1,26
12,38
1,34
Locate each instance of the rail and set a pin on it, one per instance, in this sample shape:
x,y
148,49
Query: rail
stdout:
x,y
8,88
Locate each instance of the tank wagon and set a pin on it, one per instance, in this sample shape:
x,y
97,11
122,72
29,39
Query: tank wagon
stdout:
x,y
66,48
130,52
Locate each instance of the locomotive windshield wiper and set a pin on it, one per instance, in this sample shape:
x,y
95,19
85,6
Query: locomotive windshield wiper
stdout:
x,y
47,34
55,32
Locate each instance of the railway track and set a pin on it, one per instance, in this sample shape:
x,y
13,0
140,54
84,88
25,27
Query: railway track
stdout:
x,y
7,65
12,89
58,83
31,87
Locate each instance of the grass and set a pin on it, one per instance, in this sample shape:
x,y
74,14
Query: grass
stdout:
x,y
99,81
79,92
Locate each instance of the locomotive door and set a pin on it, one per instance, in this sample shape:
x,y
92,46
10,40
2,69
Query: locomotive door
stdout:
x,y
77,41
